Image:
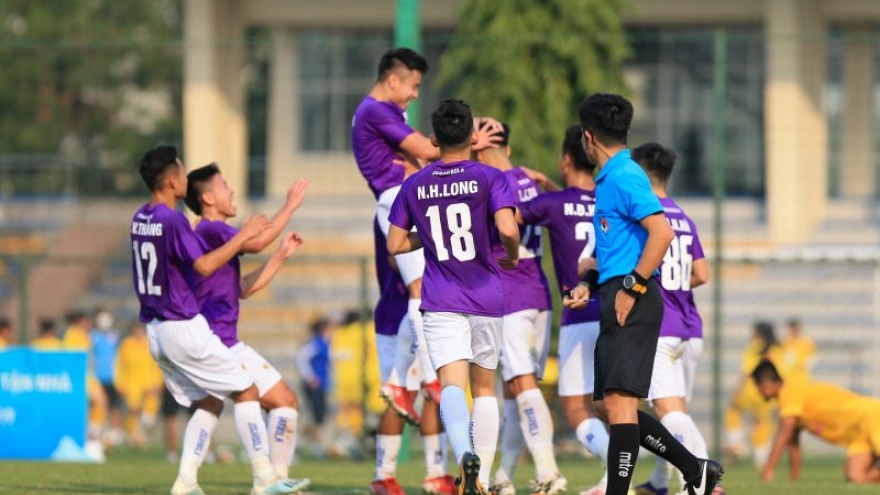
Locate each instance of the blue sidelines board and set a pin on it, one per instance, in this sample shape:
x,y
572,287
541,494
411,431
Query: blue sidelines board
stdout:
x,y
42,404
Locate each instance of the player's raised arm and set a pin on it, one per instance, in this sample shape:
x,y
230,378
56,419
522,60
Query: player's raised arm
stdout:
x,y
260,277
295,195
419,147
210,262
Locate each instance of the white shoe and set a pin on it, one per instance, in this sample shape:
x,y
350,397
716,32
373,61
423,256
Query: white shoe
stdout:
x,y
282,486
555,485
179,488
505,488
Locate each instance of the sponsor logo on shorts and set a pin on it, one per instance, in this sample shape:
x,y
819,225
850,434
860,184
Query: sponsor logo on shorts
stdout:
x,y
255,436
625,464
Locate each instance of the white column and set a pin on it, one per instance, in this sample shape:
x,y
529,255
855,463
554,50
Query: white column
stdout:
x,y
857,166
283,113
213,95
796,129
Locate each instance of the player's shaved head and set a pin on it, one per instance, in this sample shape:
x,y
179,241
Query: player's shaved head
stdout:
x,y
400,60
156,163
199,181
453,124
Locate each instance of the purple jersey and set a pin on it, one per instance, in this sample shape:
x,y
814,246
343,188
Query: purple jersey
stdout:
x,y
680,316
452,206
377,129
218,294
393,295
164,249
568,215
525,287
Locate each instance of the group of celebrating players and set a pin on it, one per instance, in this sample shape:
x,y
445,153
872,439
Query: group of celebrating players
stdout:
x,y
458,256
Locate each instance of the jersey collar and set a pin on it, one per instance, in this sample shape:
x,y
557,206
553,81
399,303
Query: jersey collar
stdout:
x,y
618,158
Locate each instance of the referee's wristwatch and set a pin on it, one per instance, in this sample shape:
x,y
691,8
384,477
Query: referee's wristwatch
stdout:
x,y
635,284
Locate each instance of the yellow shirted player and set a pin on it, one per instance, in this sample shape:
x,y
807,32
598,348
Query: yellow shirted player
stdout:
x,y
76,338
798,350
5,333
139,381
47,339
830,412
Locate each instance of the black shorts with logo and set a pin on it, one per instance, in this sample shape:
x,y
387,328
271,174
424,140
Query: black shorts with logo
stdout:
x,y
624,355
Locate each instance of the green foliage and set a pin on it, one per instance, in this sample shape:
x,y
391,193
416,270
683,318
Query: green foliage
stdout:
x,y
530,63
90,81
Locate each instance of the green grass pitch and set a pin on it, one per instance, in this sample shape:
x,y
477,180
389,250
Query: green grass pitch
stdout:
x,y
129,472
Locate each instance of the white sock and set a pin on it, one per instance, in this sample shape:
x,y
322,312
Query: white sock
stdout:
x,y
699,448
387,448
281,429
435,461
196,444
404,354
537,428
679,424
660,475
252,432
594,437
484,434
456,420
418,328
512,442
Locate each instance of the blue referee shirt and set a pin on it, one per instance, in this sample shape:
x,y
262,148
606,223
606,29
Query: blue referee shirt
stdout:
x,y
623,198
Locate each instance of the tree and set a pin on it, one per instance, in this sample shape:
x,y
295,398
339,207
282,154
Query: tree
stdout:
x,y
530,63
89,83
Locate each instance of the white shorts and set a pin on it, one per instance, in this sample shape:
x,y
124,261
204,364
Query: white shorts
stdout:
x,y
386,349
410,265
577,347
689,361
264,374
525,343
194,362
458,336
667,379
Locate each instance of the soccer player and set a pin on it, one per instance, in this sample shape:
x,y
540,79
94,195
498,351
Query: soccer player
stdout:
x,y
6,337
209,196
632,237
568,216
828,411
198,368
525,343
799,349
139,380
386,150
453,203
681,332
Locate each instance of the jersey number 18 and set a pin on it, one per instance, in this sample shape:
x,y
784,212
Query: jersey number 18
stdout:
x,y
458,222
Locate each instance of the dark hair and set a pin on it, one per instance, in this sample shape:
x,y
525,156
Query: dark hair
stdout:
x,y
453,124
156,163
5,323
655,159
400,57
195,186
74,316
767,334
794,322
766,371
607,117
504,133
46,325
573,147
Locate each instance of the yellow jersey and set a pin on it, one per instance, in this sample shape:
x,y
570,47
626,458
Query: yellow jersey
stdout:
x,y
826,410
135,367
77,339
3,343
47,343
752,356
798,353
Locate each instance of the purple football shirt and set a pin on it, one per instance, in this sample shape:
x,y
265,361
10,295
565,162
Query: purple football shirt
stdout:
x,y
452,206
164,249
680,316
525,287
568,215
219,293
393,295
377,129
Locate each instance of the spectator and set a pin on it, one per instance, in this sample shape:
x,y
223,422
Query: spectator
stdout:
x,y
76,338
47,337
799,351
5,332
105,345
138,380
313,363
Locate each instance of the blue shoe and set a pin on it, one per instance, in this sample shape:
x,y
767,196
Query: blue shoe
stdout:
x,y
283,486
647,488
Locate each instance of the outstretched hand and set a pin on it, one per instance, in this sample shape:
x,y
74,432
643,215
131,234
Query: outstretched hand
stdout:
x,y
296,193
289,243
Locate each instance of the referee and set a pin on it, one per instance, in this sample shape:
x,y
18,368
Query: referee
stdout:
x,y
632,236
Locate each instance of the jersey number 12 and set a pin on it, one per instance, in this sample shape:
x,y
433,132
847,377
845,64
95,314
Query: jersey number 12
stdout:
x,y
458,222
146,253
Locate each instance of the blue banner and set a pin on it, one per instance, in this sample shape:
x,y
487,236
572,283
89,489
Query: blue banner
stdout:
x,y
43,404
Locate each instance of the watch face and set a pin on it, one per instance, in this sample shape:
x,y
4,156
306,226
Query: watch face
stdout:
x,y
628,282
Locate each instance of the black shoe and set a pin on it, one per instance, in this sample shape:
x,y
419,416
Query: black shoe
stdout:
x,y
710,475
468,480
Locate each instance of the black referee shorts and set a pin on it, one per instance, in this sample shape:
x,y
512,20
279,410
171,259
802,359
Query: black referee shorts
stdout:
x,y
624,355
